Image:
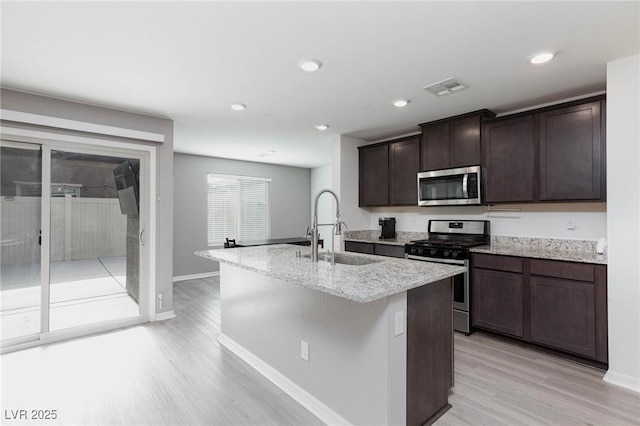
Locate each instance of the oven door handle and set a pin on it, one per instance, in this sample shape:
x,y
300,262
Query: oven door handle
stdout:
x,y
437,260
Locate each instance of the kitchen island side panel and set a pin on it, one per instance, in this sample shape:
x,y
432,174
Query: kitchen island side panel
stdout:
x,y
356,367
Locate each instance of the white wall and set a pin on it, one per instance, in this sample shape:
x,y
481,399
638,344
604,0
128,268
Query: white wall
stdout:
x,y
356,362
623,187
345,181
571,221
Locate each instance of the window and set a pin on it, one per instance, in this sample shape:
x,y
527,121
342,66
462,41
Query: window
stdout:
x,y
238,208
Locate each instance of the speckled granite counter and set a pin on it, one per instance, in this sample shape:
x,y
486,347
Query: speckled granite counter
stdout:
x,y
361,283
544,248
371,236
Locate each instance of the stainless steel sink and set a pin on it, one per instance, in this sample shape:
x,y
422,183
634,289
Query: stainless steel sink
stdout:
x,y
347,259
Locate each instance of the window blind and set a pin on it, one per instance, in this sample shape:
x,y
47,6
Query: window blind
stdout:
x,y
238,207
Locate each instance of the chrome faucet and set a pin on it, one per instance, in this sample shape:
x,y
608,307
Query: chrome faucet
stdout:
x,y
315,235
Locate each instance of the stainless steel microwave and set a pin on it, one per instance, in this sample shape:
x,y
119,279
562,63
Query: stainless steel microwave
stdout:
x,y
449,187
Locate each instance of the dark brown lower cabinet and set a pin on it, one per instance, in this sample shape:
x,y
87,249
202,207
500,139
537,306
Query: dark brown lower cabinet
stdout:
x,y
429,351
555,304
563,315
390,250
498,301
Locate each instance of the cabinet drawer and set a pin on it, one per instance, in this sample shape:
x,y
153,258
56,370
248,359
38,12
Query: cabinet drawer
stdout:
x,y
358,247
500,263
389,250
566,270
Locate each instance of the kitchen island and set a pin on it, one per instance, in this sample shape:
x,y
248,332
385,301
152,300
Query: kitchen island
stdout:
x,y
368,342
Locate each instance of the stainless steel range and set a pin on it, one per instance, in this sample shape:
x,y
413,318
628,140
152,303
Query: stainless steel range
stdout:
x,y
449,242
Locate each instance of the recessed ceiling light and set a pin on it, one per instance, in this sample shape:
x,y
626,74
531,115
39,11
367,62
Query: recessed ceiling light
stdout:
x,y
541,58
238,107
322,127
400,103
310,65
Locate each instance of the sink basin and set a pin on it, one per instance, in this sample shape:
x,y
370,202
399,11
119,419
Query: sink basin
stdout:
x,y
346,259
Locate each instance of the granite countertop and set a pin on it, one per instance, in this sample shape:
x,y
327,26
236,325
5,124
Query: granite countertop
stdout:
x,y
371,236
544,248
362,283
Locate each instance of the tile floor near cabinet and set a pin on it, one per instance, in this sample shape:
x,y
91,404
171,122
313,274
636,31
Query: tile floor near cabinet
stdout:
x,y
175,372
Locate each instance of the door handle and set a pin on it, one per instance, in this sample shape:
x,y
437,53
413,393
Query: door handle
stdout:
x,y
140,236
40,238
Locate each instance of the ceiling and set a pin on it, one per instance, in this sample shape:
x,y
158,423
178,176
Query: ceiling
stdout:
x,y
189,61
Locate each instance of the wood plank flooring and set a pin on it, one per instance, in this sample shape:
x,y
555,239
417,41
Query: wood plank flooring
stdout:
x,y
175,373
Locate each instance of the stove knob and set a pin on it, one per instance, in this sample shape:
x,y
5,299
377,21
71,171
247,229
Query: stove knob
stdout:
x,y
432,252
454,254
414,250
446,253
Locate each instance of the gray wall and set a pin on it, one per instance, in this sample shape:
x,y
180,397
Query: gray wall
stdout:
x,y
25,102
290,205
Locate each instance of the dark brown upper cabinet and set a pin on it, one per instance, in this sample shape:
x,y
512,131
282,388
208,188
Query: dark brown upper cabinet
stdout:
x,y
552,154
373,179
388,173
452,142
509,160
404,165
572,153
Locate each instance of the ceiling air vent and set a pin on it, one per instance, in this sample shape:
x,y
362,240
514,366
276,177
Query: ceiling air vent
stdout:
x,y
445,87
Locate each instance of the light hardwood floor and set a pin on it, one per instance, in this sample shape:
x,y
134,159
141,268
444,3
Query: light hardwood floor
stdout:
x,y
175,372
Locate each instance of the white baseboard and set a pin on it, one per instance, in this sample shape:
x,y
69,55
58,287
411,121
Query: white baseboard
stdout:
x,y
161,316
304,398
196,276
623,380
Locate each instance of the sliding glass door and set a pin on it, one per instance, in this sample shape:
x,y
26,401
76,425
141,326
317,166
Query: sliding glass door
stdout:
x,y
94,249
72,239
20,225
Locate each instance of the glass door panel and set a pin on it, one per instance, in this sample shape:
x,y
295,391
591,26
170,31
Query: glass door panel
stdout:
x,y
20,225
95,247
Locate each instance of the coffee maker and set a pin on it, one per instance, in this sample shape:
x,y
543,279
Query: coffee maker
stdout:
x,y
388,227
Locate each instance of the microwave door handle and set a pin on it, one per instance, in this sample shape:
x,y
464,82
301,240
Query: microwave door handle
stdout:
x,y
465,183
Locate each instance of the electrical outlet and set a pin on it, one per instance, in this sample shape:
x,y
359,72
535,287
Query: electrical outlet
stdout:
x,y
304,350
399,323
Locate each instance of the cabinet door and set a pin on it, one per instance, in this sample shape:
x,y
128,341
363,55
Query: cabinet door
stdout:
x,y
509,159
389,250
571,155
359,247
563,315
464,142
498,301
404,165
374,176
434,145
